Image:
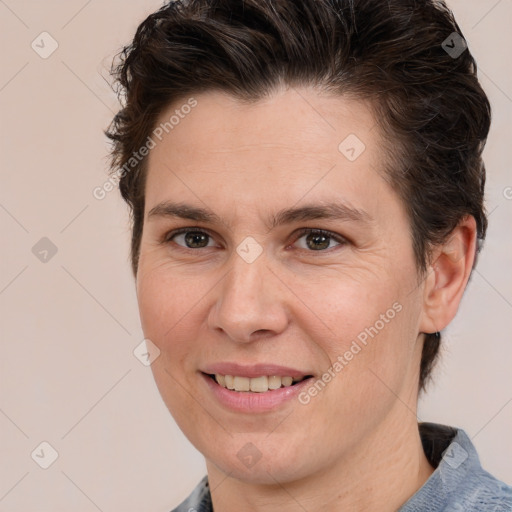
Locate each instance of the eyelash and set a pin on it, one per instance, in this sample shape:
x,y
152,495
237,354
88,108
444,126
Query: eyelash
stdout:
x,y
304,231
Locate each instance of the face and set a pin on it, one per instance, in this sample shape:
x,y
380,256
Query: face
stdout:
x,y
275,283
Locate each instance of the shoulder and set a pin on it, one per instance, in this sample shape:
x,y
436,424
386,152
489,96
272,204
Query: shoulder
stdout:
x,y
459,483
470,488
487,493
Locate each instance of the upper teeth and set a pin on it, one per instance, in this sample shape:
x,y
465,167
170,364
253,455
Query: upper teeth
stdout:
x,y
256,384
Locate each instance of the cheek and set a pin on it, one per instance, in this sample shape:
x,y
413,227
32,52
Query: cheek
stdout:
x,y
350,306
372,363
372,329
168,308
166,298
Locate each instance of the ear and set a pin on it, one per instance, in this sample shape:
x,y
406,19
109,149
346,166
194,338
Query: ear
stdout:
x,y
447,277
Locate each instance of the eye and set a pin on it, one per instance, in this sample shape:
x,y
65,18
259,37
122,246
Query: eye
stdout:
x,y
192,238
319,239
198,238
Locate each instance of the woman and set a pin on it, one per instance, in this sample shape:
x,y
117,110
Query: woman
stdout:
x,y
306,186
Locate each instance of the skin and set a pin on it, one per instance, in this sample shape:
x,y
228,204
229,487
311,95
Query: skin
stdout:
x,y
354,446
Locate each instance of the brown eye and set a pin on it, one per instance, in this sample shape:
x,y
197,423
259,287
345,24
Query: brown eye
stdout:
x,y
189,238
319,240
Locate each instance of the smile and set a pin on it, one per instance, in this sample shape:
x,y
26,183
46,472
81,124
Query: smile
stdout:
x,y
254,394
260,384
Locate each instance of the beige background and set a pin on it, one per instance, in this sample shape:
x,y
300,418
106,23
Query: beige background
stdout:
x,y
69,325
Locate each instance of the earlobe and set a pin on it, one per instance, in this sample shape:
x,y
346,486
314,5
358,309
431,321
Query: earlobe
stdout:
x,y
447,277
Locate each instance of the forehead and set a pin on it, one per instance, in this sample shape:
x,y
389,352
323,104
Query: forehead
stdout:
x,y
302,121
299,143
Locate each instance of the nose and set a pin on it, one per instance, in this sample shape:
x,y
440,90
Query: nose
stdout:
x,y
250,304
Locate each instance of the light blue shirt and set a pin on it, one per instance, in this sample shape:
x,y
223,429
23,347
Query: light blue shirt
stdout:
x,y
458,484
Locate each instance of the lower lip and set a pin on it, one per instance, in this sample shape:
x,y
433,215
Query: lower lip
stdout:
x,y
243,401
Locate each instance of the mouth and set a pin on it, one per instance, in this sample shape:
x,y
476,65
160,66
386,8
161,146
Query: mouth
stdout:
x,y
260,384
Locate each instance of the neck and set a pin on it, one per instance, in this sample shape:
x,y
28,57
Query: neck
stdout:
x,y
380,475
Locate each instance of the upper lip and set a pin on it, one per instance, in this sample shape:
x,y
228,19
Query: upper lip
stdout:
x,y
254,370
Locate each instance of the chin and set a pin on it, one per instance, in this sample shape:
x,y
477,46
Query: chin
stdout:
x,y
260,460
267,471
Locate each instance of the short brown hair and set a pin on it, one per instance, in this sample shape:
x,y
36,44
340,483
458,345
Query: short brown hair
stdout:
x,y
398,55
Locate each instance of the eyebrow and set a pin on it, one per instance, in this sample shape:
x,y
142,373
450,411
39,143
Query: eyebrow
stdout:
x,y
329,210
